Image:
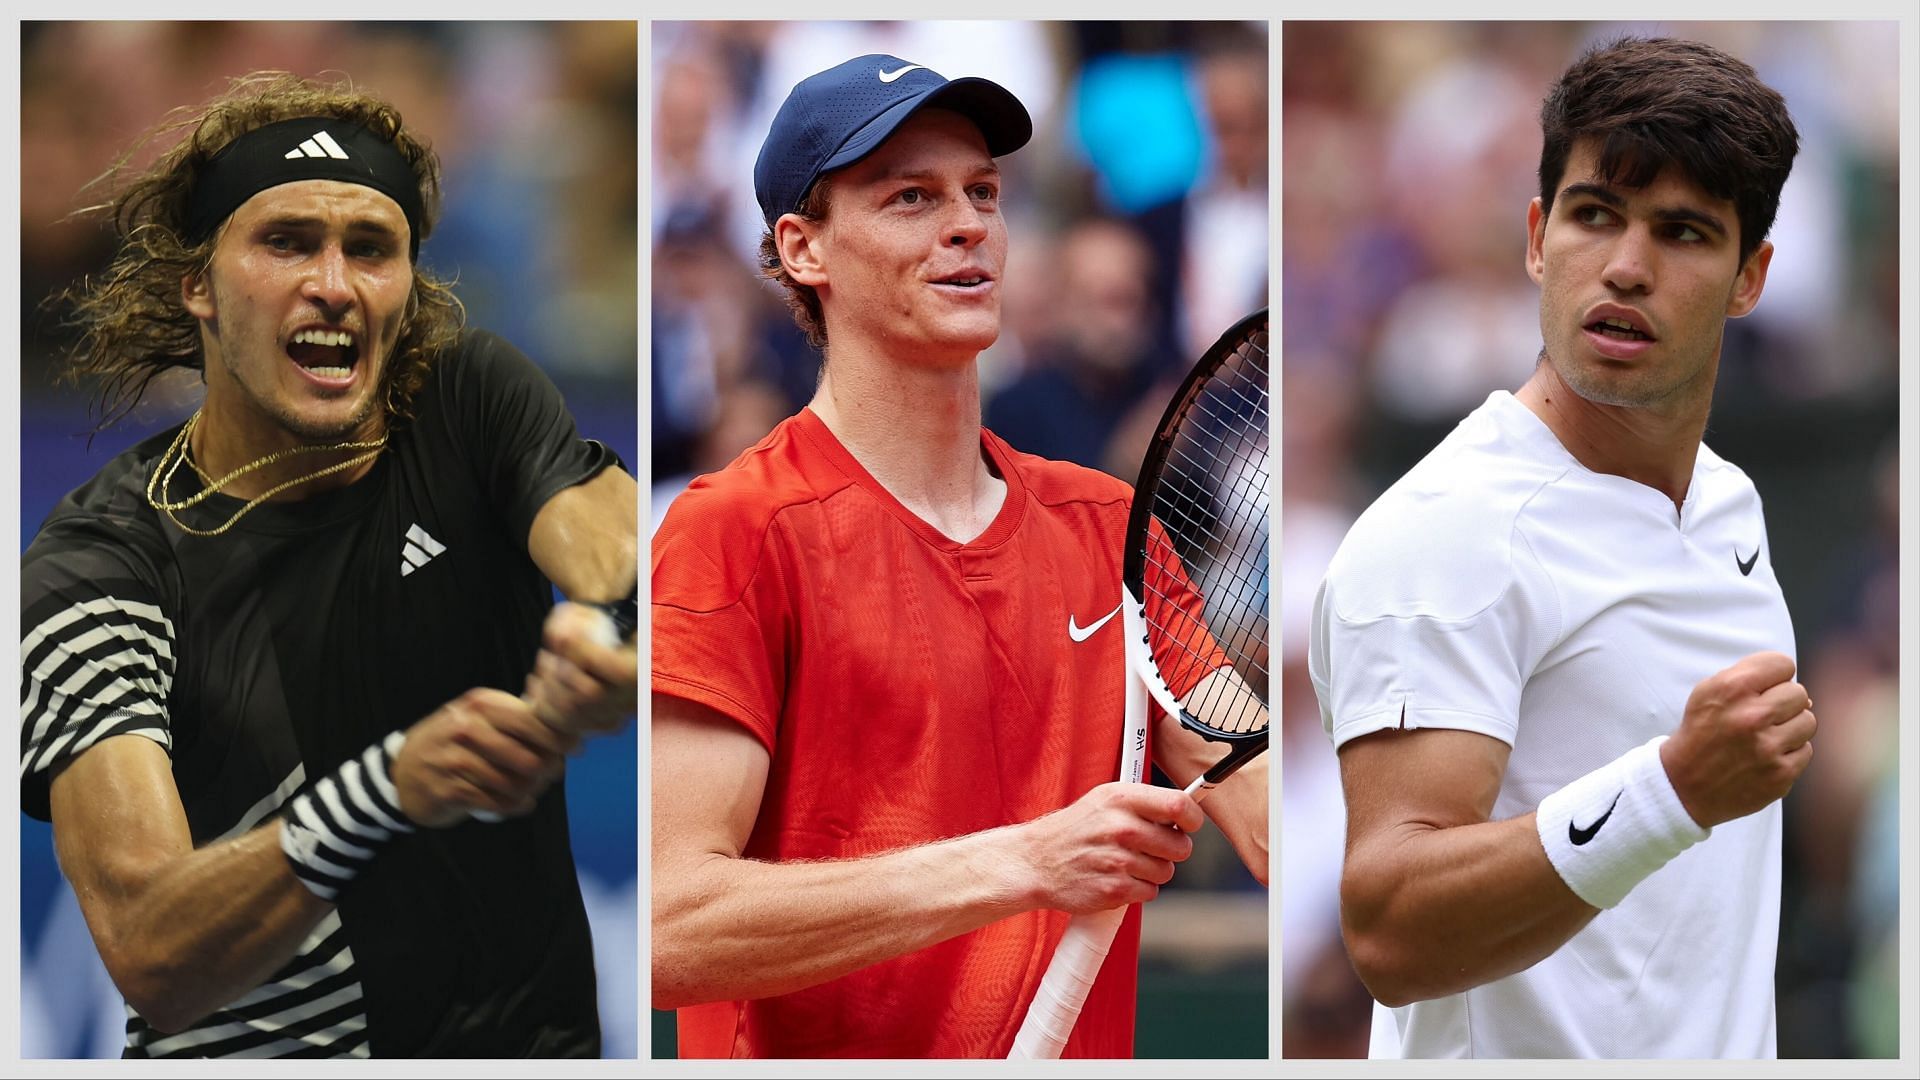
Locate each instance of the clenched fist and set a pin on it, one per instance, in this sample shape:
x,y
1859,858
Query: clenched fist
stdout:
x,y
1745,738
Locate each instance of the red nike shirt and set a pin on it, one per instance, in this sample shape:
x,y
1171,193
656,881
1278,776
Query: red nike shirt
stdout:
x,y
908,688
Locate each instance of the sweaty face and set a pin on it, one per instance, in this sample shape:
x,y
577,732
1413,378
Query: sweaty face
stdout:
x,y
300,308
914,244
1636,284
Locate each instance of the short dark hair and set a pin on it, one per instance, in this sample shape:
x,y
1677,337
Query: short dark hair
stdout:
x,y
1656,102
802,300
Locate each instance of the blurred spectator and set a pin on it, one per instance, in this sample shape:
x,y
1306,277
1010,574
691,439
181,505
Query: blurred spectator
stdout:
x,y
1191,257
744,417
1100,362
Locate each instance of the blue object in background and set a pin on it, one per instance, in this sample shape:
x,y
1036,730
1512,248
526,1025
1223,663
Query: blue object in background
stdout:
x,y
1135,123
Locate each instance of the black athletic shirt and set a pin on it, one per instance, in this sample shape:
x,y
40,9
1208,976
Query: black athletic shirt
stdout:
x,y
263,658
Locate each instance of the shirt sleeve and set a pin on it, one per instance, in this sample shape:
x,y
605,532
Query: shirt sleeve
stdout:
x,y
1410,634
515,425
1184,649
96,659
722,618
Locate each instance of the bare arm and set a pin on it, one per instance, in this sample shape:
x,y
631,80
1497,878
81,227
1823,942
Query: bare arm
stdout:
x,y
1435,898
185,931
122,838
586,541
586,538
727,927
1239,805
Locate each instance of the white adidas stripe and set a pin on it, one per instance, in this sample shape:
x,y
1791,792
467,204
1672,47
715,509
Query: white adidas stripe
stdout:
x,y
420,536
332,148
418,550
321,145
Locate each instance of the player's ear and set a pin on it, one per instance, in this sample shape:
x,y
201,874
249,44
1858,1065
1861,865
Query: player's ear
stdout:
x,y
1536,240
1750,281
798,242
196,293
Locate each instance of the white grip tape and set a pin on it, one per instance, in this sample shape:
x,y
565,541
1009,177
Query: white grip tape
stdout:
x,y
1070,974
1056,1005
1607,831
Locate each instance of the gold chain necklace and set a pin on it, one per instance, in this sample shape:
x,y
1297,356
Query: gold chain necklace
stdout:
x,y
169,464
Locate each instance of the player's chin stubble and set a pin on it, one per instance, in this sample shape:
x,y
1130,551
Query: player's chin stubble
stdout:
x,y
1629,389
283,414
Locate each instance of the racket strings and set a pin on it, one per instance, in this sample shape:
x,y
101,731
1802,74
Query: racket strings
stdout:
x,y
1206,584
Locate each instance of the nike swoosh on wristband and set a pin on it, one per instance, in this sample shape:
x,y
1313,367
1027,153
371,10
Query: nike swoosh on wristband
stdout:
x,y
1580,836
1082,633
889,76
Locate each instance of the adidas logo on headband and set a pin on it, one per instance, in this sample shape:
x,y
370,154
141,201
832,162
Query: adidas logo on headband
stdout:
x,y
321,145
259,159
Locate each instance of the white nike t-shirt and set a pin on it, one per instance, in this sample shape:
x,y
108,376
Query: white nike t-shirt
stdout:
x,y
1502,587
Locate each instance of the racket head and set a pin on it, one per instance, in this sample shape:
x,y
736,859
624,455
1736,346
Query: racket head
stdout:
x,y
1196,559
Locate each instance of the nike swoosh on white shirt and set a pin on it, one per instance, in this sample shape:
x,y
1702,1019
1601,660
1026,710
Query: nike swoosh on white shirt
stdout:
x,y
889,76
1082,633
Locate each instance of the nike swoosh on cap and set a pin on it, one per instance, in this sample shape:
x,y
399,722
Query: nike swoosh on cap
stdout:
x,y
889,76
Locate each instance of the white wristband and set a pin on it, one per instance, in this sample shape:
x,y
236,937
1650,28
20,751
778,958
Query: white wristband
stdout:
x,y
1608,830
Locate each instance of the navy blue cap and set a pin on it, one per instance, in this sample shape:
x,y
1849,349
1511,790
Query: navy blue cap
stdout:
x,y
844,113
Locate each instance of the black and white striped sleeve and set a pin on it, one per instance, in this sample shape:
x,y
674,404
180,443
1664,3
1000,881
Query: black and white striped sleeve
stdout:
x,y
96,661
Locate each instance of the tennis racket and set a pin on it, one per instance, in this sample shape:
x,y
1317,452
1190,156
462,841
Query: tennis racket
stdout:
x,y
1194,612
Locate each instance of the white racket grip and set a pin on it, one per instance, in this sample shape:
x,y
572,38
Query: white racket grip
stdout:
x,y
1083,948
1056,1005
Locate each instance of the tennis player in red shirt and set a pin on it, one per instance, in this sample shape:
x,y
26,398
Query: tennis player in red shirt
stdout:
x,y
883,653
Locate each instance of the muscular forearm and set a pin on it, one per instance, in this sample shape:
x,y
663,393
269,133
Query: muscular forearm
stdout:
x,y
1431,911
585,540
732,928
1239,807
203,928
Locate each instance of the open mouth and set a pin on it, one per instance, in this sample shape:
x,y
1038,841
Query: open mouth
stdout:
x,y
1618,329
327,354
963,281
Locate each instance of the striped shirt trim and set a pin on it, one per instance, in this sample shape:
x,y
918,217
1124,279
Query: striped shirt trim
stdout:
x,y
314,1007
94,670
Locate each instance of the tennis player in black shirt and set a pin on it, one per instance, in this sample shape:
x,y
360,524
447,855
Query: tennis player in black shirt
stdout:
x,y
295,696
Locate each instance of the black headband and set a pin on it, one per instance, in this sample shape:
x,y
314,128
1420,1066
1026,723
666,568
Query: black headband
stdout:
x,y
309,148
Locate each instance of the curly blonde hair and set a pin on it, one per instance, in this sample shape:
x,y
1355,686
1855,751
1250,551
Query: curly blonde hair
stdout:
x,y
132,323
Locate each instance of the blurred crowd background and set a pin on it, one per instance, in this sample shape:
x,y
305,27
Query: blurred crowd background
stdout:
x,y
1411,151
534,124
1138,218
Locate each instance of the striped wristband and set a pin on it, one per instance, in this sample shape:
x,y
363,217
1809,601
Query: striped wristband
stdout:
x,y
1610,829
332,830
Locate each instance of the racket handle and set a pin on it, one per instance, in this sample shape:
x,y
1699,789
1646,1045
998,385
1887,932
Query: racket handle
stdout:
x,y
1063,989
